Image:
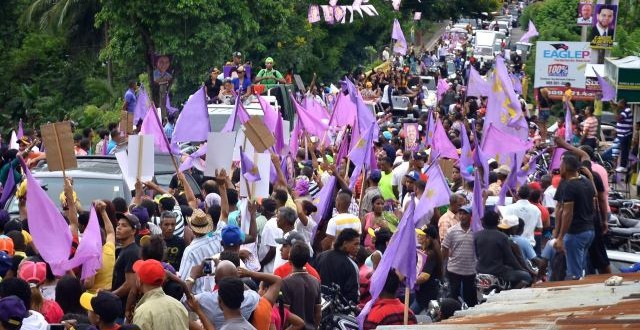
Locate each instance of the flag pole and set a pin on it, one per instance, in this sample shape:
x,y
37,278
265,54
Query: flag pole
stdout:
x,y
406,305
166,141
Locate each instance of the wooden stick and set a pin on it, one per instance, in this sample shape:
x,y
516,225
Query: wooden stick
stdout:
x,y
55,133
407,292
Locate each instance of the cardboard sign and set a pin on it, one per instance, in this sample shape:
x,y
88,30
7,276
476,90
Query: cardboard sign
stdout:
x,y
126,122
123,163
299,83
141,160
219,152
259,135
447,167
59,141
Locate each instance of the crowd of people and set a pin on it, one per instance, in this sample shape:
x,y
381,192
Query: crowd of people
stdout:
x,y
175,258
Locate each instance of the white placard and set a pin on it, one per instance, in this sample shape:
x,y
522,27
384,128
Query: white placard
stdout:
x,y
286,131
141,160
259,189
242,141
219,152
123,162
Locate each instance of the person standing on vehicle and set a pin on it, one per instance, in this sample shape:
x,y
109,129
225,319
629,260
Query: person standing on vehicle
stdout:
x,y
459,255
575,234
130,98
269,75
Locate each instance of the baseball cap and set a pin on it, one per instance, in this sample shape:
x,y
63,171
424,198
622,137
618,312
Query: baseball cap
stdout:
x,y
413,175
508,221
141,213
33,272
232,236
466,208
106,304
6,262
290,238
6,245
387,135
428,230
149,271
375,175
12,311
420,155
268,60
504,170
131,219
161,197
237,54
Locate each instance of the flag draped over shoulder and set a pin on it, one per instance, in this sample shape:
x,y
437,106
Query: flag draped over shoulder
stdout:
x,y
400,46
193,123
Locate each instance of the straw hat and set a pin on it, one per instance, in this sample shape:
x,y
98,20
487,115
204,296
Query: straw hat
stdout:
x,y
200,222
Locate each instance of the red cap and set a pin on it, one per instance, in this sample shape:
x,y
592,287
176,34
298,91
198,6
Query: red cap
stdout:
x,y
33,272
6,245
149,271
535,185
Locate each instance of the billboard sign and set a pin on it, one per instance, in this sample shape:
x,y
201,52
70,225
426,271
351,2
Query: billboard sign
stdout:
x,y
603,26
561,62
585,13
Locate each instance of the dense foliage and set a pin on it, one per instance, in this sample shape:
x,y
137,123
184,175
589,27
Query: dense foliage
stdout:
x,y
72,58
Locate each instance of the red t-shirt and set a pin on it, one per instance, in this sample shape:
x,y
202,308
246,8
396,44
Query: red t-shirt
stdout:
x,y
286,269
387,312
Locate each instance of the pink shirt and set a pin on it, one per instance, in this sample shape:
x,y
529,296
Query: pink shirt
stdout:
x,y
597,168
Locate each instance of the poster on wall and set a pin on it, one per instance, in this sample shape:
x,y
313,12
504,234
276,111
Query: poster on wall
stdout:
x,y
561,62
603,26
585,13
162,70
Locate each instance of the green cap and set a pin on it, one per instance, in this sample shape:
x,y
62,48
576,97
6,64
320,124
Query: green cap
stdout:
x,y
268,60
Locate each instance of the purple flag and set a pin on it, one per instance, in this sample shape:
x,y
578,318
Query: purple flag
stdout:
x,y
362,155
476,85
399,255
312,123
556,158
239,112
311,104
170,110
442,88
270,114
89,252
400,46
323,203
511,181
142,105
497,142
504,109
441,145
9,184
151,126
466,156
193,123
105,144
344,112
531,32
20,133
249,169
294,140
343,150
188,162
608,91
47,226
568,123
431,126
279,135
477,208
517,84
364,115
436,192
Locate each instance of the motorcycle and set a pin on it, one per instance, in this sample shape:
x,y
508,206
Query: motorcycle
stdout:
x,y
337,312
623,234
488,284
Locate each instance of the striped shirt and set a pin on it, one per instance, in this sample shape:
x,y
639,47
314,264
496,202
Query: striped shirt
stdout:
x,y
199,249
462,258
179,230
625,123
590,127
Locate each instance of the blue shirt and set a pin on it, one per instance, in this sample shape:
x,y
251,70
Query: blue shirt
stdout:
x,y
246,83
130,98
525,246
168,130
110,146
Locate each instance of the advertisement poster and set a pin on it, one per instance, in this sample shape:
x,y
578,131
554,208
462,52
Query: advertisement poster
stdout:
x,y
560,62
411,141
585,13
603,26
162,71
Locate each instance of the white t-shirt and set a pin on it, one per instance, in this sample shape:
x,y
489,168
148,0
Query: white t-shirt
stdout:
x,y
385,95
341,222
547,197
397,174
270,232
35,321
303,230
527,212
